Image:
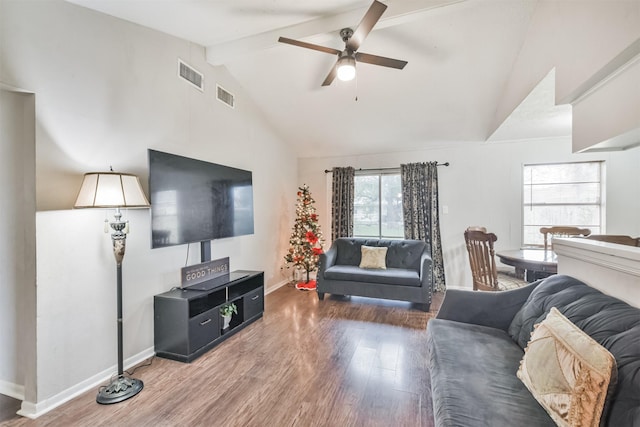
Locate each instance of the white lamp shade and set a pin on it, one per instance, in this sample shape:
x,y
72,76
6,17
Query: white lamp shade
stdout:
x,y
111,190
346,68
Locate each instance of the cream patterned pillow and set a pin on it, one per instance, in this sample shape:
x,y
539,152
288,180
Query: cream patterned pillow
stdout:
x,y
373,257
567,372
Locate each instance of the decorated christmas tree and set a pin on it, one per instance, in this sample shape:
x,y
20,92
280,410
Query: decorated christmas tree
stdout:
x,y
305,243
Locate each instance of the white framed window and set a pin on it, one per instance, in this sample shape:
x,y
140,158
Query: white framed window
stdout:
x,y
568,194
377,210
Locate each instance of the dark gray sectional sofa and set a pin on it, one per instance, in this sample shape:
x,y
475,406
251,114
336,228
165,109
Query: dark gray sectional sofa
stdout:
x,y
408,276
477,341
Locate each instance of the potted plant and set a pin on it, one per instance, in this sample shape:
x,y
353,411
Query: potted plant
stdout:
x,y
226,311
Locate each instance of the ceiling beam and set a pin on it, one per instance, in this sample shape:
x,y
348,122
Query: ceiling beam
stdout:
x,y
399,12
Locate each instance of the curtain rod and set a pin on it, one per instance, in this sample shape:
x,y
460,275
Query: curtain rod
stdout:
x,y
385,169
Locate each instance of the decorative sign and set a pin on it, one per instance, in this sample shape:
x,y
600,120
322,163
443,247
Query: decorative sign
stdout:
x,y
199,273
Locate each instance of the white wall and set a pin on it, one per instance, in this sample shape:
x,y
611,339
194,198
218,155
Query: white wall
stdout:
x,y
483,187
106,91
563,36
610,268
615,102
17,247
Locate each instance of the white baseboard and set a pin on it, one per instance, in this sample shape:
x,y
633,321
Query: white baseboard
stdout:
x,y
34,410
12,390
277,286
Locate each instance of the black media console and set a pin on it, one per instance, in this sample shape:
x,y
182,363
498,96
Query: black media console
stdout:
x,y
187,322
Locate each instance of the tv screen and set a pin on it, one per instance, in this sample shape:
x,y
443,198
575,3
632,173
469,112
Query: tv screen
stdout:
x,y
194,201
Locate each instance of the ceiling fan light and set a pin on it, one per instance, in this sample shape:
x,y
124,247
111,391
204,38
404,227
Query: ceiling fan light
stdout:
x,y
346,68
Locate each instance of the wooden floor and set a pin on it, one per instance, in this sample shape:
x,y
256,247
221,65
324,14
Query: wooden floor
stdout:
x,y
338,362
8,408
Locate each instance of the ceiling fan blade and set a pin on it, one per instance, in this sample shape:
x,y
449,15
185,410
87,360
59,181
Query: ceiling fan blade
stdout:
x,y
309,46
369,20
380,60
331,76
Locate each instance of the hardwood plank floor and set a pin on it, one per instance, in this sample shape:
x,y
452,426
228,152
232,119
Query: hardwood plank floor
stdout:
x,y
8,408
344,361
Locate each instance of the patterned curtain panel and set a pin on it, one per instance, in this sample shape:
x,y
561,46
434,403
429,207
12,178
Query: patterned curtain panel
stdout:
x,y
342,202
420,212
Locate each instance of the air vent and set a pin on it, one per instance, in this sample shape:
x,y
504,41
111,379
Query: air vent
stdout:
x,y
225,96
191,75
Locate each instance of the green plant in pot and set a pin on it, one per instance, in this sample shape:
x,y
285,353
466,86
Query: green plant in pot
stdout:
x,y
226,311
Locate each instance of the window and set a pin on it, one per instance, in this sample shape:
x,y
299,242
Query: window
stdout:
x,y
377,210
561,194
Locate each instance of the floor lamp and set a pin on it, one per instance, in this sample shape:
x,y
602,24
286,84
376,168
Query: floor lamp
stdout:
x,y
115,190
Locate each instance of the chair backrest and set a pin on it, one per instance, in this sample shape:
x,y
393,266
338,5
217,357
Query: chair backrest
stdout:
x,y
611,238
482,259
562,231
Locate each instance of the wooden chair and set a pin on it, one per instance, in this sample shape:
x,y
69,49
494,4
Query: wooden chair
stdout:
x,y
562,231
501,270
483,263
612,238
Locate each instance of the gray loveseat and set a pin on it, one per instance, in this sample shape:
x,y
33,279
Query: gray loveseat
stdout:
x,y
406,278
476,343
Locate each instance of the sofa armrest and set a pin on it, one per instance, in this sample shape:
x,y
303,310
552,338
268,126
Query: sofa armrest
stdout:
x,y
327,259
426,270
493,309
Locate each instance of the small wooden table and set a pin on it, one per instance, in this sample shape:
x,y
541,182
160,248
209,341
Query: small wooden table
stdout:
x,y
530,262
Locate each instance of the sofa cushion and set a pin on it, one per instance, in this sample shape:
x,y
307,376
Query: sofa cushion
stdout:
x,y
405,254
567,372
373,257
612,323
473,378
389,276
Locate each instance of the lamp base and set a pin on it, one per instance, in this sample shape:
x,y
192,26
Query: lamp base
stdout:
x,y
119,389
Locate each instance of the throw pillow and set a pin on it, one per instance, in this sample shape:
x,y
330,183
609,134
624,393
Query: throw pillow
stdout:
x,y
567,372
373,257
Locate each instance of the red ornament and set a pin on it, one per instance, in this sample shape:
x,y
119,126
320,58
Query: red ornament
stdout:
x,y
311,238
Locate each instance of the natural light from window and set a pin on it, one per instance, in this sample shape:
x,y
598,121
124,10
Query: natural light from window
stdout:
x,y
377,209
561,194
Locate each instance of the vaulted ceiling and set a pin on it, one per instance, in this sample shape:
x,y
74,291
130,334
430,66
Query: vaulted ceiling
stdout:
x,y
460,55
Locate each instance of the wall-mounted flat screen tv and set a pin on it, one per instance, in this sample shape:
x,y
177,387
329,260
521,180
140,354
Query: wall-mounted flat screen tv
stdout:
x,y
195,201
